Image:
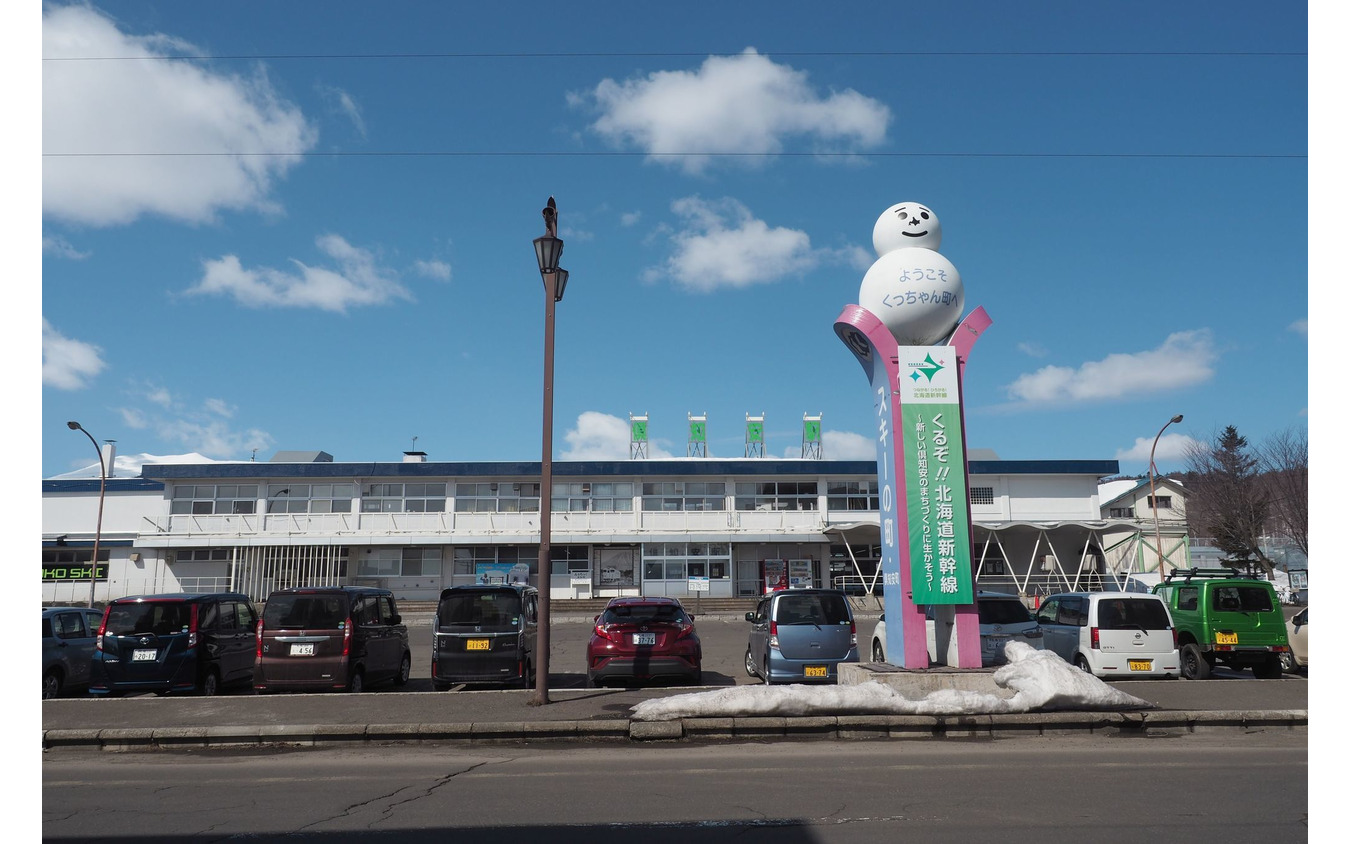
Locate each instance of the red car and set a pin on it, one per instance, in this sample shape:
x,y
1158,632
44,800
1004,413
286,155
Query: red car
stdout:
x,y
643,639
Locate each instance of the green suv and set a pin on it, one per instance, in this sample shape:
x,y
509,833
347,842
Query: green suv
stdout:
x,y
1224,618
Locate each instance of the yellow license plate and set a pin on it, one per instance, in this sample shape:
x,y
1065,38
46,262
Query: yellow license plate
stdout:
x,y
478,645
1225,638
1141,665
817,671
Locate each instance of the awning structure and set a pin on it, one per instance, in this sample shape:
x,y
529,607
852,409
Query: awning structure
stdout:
x,y
1033,558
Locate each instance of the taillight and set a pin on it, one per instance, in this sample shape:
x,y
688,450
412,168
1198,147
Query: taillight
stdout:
x,y
853,633
685,630
258,644
1096,639
773,634
602,630
192,628
1176,639
347,638
102,630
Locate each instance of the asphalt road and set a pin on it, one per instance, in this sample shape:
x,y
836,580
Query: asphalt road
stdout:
x,y
1196,788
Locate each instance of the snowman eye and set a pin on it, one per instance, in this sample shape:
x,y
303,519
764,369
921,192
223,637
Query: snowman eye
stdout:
x,y
903,215
923,214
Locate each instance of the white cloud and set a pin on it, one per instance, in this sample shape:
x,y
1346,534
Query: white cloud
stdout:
x,y
1185,359
146,105
61,247
439,270
1170,447
743,104
1035,350
1299,326
342,102
68,364
630,218
133,418
723,245
219,407
845,445
358,280
203,428
599,436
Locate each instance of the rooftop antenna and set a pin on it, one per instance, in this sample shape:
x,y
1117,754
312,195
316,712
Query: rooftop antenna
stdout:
x,y
254,458
414,448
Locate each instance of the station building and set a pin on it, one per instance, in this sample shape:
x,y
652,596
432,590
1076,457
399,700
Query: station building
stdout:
x,y
680,526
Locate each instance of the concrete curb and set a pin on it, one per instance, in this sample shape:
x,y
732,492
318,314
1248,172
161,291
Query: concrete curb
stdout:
x,y
757,728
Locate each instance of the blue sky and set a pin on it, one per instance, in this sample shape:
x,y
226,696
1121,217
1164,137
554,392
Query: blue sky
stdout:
x,y
1122,186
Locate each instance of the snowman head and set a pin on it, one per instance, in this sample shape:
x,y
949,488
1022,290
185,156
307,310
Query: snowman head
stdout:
x,y
906,225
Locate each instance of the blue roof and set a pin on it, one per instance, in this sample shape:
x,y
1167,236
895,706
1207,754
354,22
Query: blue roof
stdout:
x,y
594,468
141,484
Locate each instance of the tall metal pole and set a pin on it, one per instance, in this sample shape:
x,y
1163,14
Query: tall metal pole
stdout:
x,y
98,525
550,276
1153,496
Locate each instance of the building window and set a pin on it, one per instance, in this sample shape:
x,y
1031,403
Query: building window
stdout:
x,y
596,497
1122,512
684,495
504,497
203,555
1164,502
852,495
776,495
981,495
566,559
681,560
310,498
403,498
400,562
213,499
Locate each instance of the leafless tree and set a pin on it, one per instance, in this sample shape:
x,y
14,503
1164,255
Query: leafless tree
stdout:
x,y
1284,468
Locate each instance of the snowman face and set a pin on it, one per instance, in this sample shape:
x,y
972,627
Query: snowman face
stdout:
x,y
906,225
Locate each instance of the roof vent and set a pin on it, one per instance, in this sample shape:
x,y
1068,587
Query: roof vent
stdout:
x,y
414,457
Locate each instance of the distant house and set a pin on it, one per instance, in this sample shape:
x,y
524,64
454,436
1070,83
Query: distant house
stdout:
x,y
1129,503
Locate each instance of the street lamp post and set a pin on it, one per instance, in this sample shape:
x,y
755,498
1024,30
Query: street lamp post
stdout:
x,y
1153,495
98,525
547,249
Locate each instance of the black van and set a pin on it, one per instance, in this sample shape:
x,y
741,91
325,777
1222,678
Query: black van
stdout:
x,y
485,634
174,643
330,637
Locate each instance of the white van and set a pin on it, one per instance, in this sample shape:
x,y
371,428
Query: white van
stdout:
x,y
1112,634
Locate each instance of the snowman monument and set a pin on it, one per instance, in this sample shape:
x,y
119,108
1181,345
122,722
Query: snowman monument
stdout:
x,y
908,334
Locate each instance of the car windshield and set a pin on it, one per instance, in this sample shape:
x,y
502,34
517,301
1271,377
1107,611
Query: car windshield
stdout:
x,y
308,612
644,614
1131,614
1241,599
812,609
158,617
1003,611
497,607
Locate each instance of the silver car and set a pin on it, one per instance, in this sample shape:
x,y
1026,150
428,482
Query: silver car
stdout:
x,y
1003,619
801,636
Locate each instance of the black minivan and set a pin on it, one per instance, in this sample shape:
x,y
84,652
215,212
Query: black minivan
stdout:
x,y
330,638
174,643
485,634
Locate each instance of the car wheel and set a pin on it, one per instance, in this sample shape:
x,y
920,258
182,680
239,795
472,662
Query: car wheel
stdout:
x,y
404,669
357,683
750,664
1268,670
1194,666
210,684
1287,662
597,682
878,652
1080,662
51,684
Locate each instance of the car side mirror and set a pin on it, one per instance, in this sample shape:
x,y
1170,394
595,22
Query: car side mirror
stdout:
x,y
691,618
597,618
395,619
750,617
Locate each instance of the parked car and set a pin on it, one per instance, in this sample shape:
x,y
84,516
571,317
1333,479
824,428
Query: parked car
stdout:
x,y
1112,634
1296,628
484,634
68,635
1003,619
801,636
642,639
182,642
1225,618
332,637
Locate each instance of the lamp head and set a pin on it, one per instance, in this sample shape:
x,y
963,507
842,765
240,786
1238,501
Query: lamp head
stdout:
x,y
1176,418
74,426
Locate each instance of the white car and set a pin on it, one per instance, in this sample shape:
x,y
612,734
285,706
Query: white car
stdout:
x,y
1112,634
1296,658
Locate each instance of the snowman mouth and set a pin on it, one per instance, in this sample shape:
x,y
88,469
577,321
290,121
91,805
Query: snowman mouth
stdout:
x,y
915,234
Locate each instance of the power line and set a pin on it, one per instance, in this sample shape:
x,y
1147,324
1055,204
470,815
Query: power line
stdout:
x,y
629,154
784,54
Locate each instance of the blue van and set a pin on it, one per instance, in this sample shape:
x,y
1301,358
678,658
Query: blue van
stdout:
x,y
174,643
801,636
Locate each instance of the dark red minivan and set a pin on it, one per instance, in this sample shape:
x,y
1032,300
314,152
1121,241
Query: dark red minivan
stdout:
x,y
324,638
643,639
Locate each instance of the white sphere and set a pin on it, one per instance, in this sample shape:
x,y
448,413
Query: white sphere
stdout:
x,y
916,293
906,225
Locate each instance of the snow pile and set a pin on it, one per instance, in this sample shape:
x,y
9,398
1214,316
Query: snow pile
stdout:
x,y
1040,680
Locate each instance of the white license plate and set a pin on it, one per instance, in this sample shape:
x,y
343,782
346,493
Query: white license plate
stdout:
x,y
144,656
644,638
302,649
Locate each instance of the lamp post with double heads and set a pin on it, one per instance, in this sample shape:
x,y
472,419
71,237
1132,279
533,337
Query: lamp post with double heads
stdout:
x,y
547,249
1153,495
98,525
